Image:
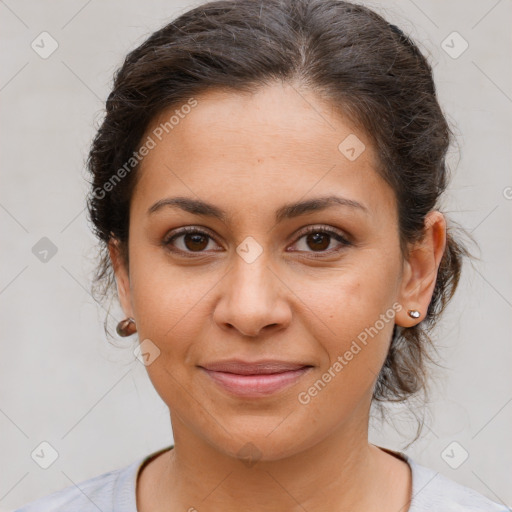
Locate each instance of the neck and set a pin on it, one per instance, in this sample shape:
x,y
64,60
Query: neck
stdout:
x,y
341,471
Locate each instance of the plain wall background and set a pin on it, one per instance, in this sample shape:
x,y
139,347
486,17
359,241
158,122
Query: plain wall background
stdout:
x,y
62,382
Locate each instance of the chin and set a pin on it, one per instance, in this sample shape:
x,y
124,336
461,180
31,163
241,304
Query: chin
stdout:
x,y
259,445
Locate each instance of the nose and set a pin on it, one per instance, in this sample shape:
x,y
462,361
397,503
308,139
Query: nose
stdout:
x,y
253,299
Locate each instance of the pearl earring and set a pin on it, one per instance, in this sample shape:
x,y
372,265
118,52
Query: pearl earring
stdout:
x,y
413,313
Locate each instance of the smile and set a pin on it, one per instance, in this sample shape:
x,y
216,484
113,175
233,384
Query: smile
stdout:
x,y
256,385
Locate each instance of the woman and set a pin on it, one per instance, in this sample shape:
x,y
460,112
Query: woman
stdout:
x,y
265,185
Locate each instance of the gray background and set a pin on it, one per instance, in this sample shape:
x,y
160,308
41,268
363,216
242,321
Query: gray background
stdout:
x,y
62,382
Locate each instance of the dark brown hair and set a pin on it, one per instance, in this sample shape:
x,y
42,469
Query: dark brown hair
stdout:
x,y
347,54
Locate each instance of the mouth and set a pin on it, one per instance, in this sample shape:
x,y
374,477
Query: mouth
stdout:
x,y
255,379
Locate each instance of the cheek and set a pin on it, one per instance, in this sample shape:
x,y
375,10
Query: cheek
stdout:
x,y
347,301
158,288
169,302
355,346
353,319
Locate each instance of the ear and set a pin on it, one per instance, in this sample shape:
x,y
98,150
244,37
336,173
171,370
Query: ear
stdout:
x,y
122,278
420,270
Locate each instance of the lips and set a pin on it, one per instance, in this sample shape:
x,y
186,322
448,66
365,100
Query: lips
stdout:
x,y
254,379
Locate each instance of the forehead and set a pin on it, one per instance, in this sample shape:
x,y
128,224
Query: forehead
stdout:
x,y
274,118
279,140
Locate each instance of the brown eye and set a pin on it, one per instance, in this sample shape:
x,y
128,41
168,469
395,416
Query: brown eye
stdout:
x,y
195,242
188,240
318,239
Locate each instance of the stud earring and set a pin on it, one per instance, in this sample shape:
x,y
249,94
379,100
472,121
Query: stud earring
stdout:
x,y
413,313
126,327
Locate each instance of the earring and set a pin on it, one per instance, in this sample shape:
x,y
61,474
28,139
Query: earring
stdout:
x,y
126,327
413,313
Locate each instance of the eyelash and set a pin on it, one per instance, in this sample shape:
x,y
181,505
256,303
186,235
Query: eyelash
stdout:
x,y
167,242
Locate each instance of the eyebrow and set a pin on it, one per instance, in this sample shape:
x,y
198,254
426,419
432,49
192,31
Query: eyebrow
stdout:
x,y
288,211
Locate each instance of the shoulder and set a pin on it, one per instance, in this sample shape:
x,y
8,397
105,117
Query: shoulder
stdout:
x,y
432,491
104,492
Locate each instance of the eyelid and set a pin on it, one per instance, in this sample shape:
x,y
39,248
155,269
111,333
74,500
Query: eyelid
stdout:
x,y
166,242
342,238
322,228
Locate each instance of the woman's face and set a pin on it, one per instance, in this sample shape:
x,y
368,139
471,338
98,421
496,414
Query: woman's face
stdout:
x,y
254,285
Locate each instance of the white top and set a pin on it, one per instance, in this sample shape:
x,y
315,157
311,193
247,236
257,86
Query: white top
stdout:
x,y
115,492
